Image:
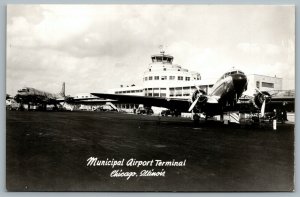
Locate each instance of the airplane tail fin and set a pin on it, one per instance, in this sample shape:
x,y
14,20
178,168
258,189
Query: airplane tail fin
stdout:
x,y
62,93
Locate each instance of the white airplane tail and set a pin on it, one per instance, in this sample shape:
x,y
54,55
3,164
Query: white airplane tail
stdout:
x,y
62,93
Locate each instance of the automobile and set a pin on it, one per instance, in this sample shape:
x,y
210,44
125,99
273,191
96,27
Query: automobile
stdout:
x,y
144,110
166,113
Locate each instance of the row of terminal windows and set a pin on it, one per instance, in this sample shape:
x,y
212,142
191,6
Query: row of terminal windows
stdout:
x,y
156,92
176,91
91,96
128,91
165,69
180,78
160,59
162,92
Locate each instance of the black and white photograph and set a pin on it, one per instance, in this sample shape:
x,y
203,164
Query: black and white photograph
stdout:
x,y
150,98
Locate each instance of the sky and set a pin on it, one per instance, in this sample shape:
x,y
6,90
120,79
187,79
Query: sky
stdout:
x,y
93,48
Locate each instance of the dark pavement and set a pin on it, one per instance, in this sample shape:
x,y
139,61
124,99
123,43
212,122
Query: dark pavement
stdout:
x,y
47,151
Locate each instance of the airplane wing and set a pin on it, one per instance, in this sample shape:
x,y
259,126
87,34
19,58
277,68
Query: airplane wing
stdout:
x,y
72,100
179,104
279,102
246,103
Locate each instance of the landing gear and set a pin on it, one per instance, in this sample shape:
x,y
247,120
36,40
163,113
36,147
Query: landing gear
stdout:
x,y
196,119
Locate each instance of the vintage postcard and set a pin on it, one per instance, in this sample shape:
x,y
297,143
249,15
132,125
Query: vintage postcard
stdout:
x,y
150,98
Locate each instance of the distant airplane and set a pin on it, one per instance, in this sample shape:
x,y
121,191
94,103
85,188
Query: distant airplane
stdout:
x,y
224,97
38,98
32,96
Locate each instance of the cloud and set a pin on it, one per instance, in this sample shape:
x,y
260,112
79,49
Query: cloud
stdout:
x,y
97,47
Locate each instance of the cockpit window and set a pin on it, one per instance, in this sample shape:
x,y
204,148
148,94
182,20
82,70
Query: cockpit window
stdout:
x,y
233,72
225,75
23,90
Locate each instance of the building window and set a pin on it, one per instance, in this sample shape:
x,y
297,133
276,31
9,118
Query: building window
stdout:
x,y
156,92
146,78
163,77
180,78
178,69
178,91
156,77
267,85
172,92
149,91
149,69
165,69
172,77
257,84
187,78
186,91
163,92
150,78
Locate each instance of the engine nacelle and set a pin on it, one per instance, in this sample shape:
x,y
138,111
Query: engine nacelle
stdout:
x,y
261,97
198,93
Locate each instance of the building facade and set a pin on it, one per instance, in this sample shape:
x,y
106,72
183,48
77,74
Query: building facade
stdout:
x,y
263,83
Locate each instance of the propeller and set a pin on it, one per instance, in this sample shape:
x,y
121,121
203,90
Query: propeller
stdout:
x,y
262,110
196,100
194,103
263,107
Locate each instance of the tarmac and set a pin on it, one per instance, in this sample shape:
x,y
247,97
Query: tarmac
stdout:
x,y
48,151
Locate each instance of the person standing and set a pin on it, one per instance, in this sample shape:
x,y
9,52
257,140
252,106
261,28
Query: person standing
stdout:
x,y
274,118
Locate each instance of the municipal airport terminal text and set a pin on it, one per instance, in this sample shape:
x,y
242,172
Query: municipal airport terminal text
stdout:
x,y
94,161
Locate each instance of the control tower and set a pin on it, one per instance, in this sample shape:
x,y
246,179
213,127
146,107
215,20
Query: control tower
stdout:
x,y
162,77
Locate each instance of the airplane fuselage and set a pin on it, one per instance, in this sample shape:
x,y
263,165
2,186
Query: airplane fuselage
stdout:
x,y
32,95
227,90
229,87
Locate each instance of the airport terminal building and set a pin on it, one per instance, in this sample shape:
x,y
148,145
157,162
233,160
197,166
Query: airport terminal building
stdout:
x,y
165,79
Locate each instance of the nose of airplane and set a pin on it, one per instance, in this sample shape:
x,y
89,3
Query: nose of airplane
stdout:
x,y
239,81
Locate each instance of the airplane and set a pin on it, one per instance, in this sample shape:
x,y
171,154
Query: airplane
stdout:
x,y
32,96
35,97
225,97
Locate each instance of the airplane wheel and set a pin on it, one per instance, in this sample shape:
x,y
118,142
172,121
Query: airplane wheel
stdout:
x,y
196,119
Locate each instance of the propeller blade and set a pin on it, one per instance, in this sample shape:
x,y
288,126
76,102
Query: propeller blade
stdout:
x,y
193,104
258,91
197,87
262,110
